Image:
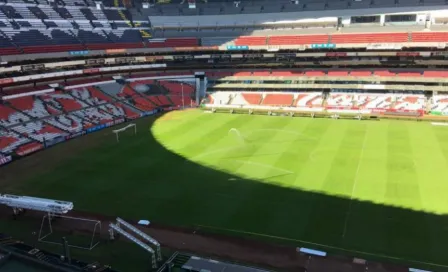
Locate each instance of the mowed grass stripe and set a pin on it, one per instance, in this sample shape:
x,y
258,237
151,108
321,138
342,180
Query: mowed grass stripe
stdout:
x,y
431,173
339,180
254,198
223,197
292,218
403,193
370,188
140,178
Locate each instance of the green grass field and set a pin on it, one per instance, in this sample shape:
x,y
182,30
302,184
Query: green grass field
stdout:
x,y
377,187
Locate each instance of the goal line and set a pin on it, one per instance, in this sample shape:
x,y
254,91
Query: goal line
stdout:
x,y
117,131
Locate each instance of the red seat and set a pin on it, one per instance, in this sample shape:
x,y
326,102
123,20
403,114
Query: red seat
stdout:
x,y
430,36
278,99
409,74
242,73
314,73
9,51
295,40
287,73
435,74
52,48
250,40
360,73
369,38
338,73
252,98
176,87
261,73
384,73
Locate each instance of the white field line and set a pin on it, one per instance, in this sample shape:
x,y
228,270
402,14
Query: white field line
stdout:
x,y
347,217
321,245
439,124
214,151
283,130
263,165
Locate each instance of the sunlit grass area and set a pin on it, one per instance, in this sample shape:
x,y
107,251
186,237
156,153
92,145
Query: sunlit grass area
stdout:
x,y
372,186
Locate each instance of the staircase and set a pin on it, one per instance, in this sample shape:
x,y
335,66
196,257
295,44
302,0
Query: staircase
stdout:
x,y
409,36
180,260
145,34
76,37
6,240
263,96
123,16
428,106
41,257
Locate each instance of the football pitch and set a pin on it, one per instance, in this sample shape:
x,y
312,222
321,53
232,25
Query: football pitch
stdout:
x,y
359,187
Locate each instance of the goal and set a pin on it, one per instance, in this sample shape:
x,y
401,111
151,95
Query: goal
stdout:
x,y
130,126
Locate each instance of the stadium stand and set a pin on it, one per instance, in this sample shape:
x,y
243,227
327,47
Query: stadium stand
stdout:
x,y
369,38
439,103
11,141
10,117
278,99
340,99
374,101
247,99
302,39
309,100
42,115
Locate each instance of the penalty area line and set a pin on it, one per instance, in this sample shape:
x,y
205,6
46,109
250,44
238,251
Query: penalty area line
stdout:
x,y
349,211
320,245
264,165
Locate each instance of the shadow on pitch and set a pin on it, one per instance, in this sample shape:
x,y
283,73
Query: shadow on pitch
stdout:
x,y
172,189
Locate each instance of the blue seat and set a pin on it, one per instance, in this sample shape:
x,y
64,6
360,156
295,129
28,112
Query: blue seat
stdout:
x,y
10,12
93,36
125,36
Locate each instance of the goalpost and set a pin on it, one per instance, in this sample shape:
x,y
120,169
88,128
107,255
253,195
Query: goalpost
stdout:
x,y
117,131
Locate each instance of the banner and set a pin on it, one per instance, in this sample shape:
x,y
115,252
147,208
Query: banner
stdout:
x,y
119,121
342,108
79,53
357,111
384,46
54,141
115,51
336,54
148,113
378,111
408,54
237,47
28,149
96,128
402,113
5,159
153,58
440,113
91,71
374,87
6,81
196,48
323,45
74,135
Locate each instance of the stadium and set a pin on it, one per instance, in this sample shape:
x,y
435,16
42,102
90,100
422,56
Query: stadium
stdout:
x,y
303,135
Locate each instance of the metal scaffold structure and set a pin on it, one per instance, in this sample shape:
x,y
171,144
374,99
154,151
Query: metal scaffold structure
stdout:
x,y
50,206
143,235
116,228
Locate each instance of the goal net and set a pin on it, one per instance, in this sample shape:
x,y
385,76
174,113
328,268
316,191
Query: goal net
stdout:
x,y
118,131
